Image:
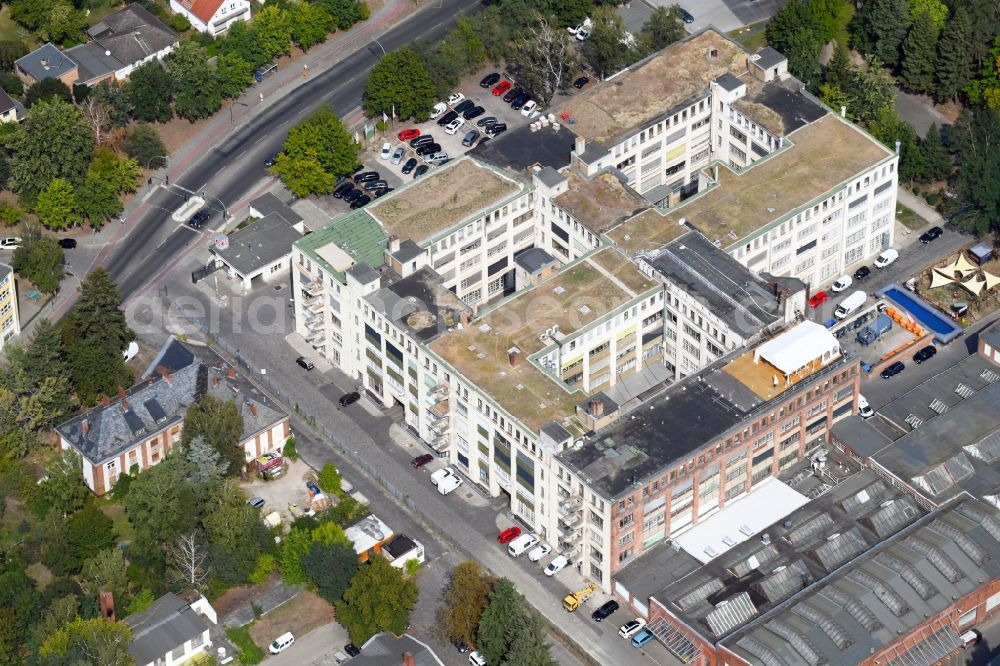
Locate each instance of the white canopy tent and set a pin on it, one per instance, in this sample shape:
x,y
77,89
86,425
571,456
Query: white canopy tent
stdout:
x,y
798,347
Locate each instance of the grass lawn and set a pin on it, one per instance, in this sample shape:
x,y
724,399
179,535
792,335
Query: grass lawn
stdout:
x,y
751,37
908,218
123,528
844,15
11,31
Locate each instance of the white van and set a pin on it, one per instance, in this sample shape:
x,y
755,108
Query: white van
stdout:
x,y
886,258
448,484
865,410
281,642
522,544
850,304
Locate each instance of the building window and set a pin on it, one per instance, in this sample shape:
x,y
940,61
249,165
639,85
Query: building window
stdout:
x,y
967,618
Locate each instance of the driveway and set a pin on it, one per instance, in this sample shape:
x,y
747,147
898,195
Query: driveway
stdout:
x,y
726,15
919,111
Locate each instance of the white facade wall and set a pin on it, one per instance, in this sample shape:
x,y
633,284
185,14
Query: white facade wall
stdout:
x,y
225,15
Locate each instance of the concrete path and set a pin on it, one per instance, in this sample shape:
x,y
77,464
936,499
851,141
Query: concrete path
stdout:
x,y
918,206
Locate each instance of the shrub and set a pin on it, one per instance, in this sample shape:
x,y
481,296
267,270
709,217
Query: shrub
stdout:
x,y
933,198
289,450
266,564
329,480
246,650
178,22
412,567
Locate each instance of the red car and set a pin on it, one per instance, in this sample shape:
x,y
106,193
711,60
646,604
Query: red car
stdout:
x,y
420,461
501,88
509,535
408,134
818,299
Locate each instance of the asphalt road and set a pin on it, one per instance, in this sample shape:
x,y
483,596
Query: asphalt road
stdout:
x,y
229,170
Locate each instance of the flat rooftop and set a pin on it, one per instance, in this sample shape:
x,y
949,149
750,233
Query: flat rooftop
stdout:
x,y
419,304
822,155
442,199
571,299
778,106
601,202
732,292
519,149
667,428
653,88
347,241
942,438
648,230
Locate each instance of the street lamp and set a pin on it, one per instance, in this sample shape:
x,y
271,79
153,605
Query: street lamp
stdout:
x,y
225,211
156,157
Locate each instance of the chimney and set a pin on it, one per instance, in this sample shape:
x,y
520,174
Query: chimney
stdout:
x,y
596,406
393,244
581,146
167,377
463,318
107,603
843,111
85,426
253,409
408,659
215,380
105,401
231,373
514,356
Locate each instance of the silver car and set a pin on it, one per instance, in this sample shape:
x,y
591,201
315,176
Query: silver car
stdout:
x,y
397,156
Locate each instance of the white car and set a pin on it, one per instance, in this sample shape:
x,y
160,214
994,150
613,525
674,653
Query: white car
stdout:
x,y
442,474
886,258
449,484
438,109
280,643
529,107
455,98
556,565
843,283
397,156
386,150
477,659
10,243
631,627
453,126
539,552
582,34
865,410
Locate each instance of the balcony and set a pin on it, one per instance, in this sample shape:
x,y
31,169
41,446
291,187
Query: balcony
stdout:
x,y
568,540
572,521
567,530
314,288
440,427
570,505
440,391
441,443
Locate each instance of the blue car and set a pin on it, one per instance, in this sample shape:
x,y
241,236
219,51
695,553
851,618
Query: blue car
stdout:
x,y
642,638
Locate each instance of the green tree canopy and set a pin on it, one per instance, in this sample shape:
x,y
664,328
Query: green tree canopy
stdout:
x,y
120,172
97,201
920,55
500,624
236,536
547,59
979,159
796,31
606,49
161,504
220,425
234,74
316,151
150,90
345,12
45,89
105,572
955,56
39,259
936,161
886,22
464,600
56,206
310,23
330,568
273,28
53,142
241,40
399,81
91,641
379,599
194,82
663,27
145,146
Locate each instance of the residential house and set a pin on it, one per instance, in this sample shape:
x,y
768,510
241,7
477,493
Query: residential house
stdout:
x,y
9,323
212,16
171,631
384,649
11,111
140,426
263,248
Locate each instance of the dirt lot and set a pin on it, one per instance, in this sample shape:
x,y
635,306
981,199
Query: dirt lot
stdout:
x,y
302,614
289,489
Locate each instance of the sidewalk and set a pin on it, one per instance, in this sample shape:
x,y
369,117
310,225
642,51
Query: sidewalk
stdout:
x,y
918,206
317,60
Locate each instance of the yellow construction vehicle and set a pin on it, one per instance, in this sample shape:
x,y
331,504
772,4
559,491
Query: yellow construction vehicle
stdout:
x,y
572,601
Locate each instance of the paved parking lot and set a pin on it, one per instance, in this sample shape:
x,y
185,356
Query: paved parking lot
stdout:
x,y
289,488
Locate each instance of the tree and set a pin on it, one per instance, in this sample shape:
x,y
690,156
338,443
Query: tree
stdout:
x,y
194,82
399,82
663,27
310,23
161,503
145,146
838,70
887,22
887,127
220,425
64,24
32,14
39,259
206,460
56,206
91,641
120,172
955,65
94,335
68,544
97,201
11,52
329,479
150,90
935,9
606,49
503,620
296,546
236,536
105,572
188,558
530,647
985,89
234,74
547,59
316,151
345,12
464,601
115,99
979,175
871,89
98,114
274,31
379,599
330,568
53,142
10,215
46,89
303,175
241,40
64,488
59,613
936,161
793,31
920,55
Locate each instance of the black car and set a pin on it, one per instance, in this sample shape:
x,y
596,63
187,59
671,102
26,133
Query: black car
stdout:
x,y
421,170
686,16
349,398
474,112
862,273
269,162
353,195
428,149
366,176
605,611
382,192
520,101
924,354
363,200
461,647
581,82
303,363
893,370
352,650
343,189
490,80
488,120
199,219
470,137
447,118
67,243
410,165
375,185
463,106
421,140
493,130
513,93
931,234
